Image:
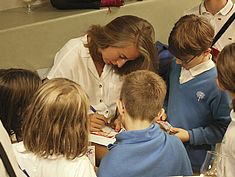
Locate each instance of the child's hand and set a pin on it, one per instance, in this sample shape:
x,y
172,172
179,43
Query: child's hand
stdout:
x,y
116,124
97,121
182,134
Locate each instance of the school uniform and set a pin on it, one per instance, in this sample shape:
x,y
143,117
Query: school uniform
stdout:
x,y
228,150
217,21
197,105
149,152
57,166
74,62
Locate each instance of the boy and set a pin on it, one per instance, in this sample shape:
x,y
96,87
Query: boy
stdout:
x,y
195,105
143,149
217,12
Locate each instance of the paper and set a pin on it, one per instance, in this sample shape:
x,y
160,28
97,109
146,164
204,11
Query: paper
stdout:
x,y
106,137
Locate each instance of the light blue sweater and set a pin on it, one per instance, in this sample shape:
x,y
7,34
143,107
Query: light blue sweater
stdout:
x,y
199,107
145,153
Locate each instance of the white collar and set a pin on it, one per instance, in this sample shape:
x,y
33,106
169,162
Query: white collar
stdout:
x,y
232,115
187,75
224,11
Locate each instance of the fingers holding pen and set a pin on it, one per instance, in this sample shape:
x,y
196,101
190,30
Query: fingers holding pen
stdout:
x,y
97,121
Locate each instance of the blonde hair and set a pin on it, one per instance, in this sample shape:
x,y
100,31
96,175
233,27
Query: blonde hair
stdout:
x,y
16,89
225,67
56,122
143,93
191,36
121,32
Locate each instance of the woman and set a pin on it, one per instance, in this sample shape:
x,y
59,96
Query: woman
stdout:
x,y
98,60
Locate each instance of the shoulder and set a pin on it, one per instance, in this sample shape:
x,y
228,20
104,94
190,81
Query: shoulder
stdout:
x,y
83,166
194,10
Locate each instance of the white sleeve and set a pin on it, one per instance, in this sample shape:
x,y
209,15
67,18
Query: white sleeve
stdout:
x,y
65,61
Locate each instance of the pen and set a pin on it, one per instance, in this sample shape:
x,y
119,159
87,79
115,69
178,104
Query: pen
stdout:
x,y
92,109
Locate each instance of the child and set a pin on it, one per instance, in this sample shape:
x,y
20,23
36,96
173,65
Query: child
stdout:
x,y
55,132
143,149
16,89
195,105
226,81
217,12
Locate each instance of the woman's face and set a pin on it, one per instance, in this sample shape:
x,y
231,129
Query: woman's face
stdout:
x,y
119,56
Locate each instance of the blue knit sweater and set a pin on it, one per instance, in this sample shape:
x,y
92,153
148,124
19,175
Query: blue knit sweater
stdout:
x,y
145,153
199,107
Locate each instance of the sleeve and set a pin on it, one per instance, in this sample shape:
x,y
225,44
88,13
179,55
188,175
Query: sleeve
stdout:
x,y
65,61
214,132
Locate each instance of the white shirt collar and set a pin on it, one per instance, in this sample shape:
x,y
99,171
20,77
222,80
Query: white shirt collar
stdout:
x,y
224,11
187,75
232,115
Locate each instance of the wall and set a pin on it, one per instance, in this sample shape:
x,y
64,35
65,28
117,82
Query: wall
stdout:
x,y
31,40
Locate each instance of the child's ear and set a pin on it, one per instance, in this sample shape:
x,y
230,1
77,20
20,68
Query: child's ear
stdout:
x,y
120,107
207,52
161,115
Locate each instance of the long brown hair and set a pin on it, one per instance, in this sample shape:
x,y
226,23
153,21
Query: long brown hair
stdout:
x,y
120,32
56,122
16,89
225,67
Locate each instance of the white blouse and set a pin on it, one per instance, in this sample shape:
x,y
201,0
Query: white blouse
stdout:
x,y
74,62
57,166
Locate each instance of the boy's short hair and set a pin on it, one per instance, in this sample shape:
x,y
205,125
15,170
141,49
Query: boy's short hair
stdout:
x,y
143,93
56,122
191,36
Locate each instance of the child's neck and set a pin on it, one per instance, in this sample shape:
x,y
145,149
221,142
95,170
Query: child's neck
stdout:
x,y
214,6
138,124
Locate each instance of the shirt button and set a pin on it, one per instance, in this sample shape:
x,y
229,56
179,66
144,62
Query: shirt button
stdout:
x,y
100,86
101,100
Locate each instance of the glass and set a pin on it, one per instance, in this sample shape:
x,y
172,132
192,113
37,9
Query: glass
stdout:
x,y
211,164
188,61
29,5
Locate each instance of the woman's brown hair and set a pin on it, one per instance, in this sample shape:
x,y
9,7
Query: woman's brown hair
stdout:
x,y
56,122
121,32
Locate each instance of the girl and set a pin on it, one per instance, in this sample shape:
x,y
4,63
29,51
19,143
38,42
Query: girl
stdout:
x,y
16,88
226,81
97,60
55,132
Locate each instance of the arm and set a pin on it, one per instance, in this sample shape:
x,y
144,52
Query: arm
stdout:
x,y
214,131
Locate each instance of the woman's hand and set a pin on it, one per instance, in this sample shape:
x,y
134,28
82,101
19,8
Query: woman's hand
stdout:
x,y
182,134
97,121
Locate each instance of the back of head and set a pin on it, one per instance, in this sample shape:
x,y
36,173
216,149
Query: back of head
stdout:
x,y
56,122
191,36
225,67
143,93
16,89
121,32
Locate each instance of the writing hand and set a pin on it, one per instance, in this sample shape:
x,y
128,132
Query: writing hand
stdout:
x,y
97,121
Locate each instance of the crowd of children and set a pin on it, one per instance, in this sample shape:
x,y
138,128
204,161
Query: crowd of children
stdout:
x,y
115,67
